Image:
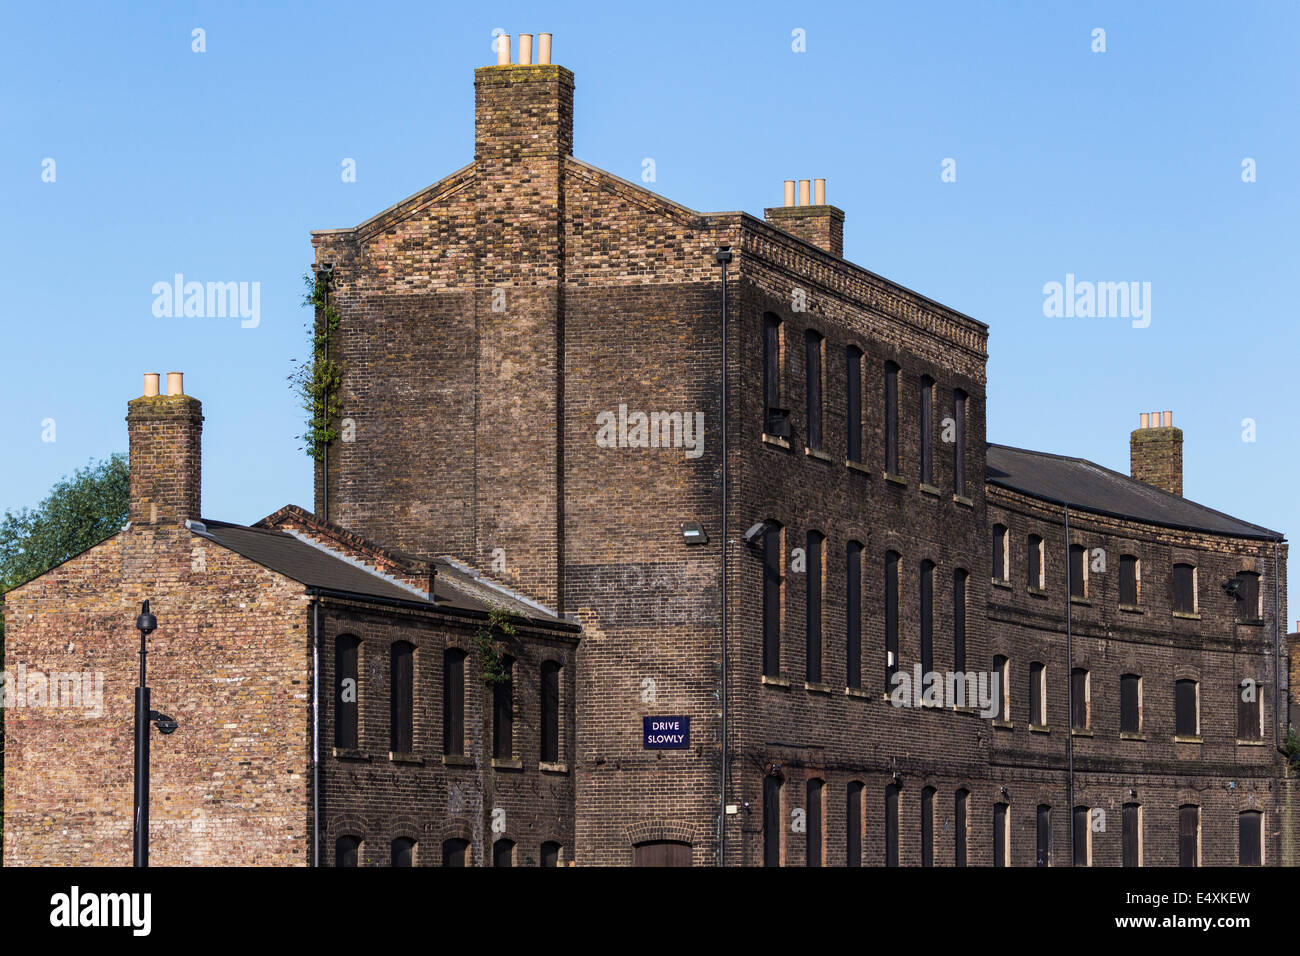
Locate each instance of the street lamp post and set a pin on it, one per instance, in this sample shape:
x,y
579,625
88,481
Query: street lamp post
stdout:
x,y
146,624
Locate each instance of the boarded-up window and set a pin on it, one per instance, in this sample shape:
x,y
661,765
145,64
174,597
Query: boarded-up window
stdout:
x,y
891,825
1248,596
891,618
853,823
927,430
891,418
927,826
347,851
1043,846
960,808
1000,552
453,701
403,852
772,600
1034,566
550,855
401,711
771,820
1189,835
453,852
1184,589
813,808
959,620
1131,838
853,611
503,712
1003,673
771,368
959,442
853,398
813,370
503,853
1037,693
346,691
1082,837
1078,582
1186,722
1079,709
1128,580
1250,834
813,623
550,706
1130,703
1248,710
1001,836
927,617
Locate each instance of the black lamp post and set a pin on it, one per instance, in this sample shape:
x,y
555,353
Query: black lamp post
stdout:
x,y
146,624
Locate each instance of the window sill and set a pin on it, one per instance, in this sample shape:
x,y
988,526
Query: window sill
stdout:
x,y
895,479
1187,740
858,467
1184,615
1040,729
1001,583
1082,601
350,753
1080,732
408,758
818,454
930,490
507,763
457,760
1036,592
857,692
817,687
1252,622
1003,724
773,440
1131,735
964,501
964,710
1131,609
548,767
1249,743
771,681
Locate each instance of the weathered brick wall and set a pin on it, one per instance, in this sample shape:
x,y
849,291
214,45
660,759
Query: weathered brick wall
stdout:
x,y
229,661
165,458
1156,457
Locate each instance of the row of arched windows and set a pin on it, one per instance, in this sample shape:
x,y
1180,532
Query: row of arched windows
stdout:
x,y
454,852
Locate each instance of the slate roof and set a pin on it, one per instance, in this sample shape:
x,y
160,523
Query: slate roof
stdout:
x,y
1090,487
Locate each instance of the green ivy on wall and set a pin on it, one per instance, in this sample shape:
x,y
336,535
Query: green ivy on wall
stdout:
x,y
317,381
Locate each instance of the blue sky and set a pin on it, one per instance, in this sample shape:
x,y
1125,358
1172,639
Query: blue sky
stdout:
x,y
1117,166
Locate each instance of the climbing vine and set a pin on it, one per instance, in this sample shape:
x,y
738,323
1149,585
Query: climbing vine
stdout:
x,y
318,379
489,649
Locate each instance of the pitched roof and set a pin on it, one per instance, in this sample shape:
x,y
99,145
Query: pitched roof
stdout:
x,y
1090,487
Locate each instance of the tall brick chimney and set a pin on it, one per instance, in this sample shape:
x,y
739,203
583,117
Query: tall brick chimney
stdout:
x,y
818,223
1156,452
522,109
165,434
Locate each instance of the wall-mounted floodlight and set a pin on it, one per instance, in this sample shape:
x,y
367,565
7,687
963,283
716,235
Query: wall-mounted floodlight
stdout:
x,y
756,532
693,533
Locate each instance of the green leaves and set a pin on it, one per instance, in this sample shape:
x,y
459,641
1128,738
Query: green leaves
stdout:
x,y
317,381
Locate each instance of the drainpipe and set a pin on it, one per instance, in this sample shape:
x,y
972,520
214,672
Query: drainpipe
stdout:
x,y
723,256
315,729
1277,656
1069,682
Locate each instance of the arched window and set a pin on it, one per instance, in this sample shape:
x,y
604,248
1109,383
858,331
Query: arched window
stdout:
x,y
960,824
550,855
1250,838
503,852
927,430
1080,698
853,399
891,618
1130,704
772,600
503,711
1184,596
771,820
1248,598
813,809
403,852
853,823
927,826
1189,835
853,617
959,399
959,577
1131,835
1037,694
1001,568
813,631
1078,571
1001,836
1187,715
1082,836
454,852
1002,670
453,702
1249,725
1130,577
813,376
401,697
891,825
347,851
346,691
891,418
550,706
775,417
1043,850
927,617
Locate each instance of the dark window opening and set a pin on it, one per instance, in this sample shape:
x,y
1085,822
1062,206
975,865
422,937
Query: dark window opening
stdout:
x,y
891,418
401,712
1001,844
813,622
550,855
891,618
853,823
1130,703
503,853
772,600
891,825
814,822
959,620
1078,583
1185,715
960,806
346,691
403,852
853,623
1043,851
503,712
1184,589
1250,830
1128,580
347,851
453,852
1079,698
1189,835
813,370
927,826
927,430
550,706
959,442
453,702
1131,837
853,397
771,820
1082,836
927,617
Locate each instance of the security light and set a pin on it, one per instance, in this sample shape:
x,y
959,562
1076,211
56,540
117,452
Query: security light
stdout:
x,y
756,531
165,724
693,533
146,623
723,254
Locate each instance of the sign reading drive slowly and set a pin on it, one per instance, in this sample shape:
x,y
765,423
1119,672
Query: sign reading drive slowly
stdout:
x,y
666,733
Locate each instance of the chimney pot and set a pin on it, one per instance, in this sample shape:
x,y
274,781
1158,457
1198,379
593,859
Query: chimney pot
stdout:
x,y
150,384
166,456
803,192
1144,420
503,50
819,192
525,49
544,49
1169,420
789,192
175,385
1156,452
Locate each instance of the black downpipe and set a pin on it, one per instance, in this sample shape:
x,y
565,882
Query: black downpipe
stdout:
x,y
1069,682
315,730
723,256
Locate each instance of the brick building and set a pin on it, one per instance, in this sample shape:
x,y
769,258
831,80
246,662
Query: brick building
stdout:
x,y
533,381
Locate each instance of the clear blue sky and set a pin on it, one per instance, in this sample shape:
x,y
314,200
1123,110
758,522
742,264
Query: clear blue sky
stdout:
x,y
1117,166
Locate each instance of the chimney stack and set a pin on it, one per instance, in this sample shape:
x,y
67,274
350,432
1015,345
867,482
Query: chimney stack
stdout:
x,y
811,220
523,109
1156,452
166,443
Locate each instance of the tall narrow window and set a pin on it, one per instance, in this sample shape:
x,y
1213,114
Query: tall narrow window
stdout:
x,y
853,823
771,372
1187,719
771,820
1250,838
1249,726
813,371
853,614
1034,566
813,627
813,820
1002,671
927,430
772,600
401,709
503,712
347,851
550,854
891,825
959,620
1184,589
853,399
1128,580
1082,837
891,418
1001,836
1248,606
891,618
1189,835
503,852
1043,851
550,751
454,851
959,442
1078,572
1038,694
403,852
1080,702
927,617
453,702
1130,704
1131,837
1001,572
346,650
960,807
927,826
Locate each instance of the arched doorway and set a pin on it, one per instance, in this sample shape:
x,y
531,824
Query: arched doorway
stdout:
x,y
662,853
